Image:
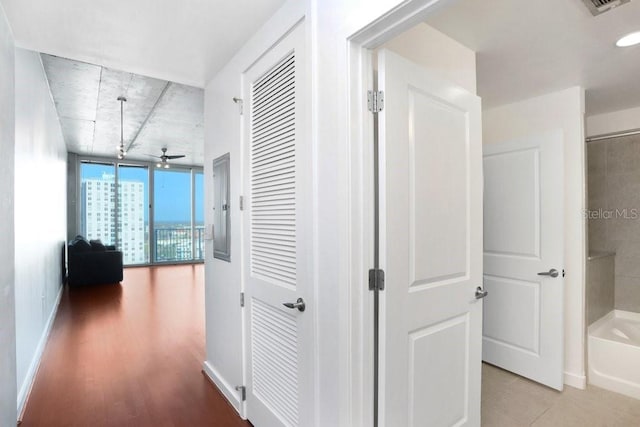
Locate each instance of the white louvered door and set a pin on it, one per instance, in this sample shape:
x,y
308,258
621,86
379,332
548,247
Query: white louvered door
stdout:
x,y
277,238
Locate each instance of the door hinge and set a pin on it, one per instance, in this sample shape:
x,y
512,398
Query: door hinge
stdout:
x,y
241,203
241,299
376,279
563,272
239,102
375,100
243,392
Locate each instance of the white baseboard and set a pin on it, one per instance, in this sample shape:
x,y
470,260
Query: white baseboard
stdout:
x,y
577,381
225,388
27,385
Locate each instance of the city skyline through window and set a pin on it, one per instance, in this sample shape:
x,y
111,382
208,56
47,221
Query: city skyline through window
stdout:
x,y
133,213
123,219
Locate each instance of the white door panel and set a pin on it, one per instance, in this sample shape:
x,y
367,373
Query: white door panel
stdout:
x,y
523,229
514,180
277,238
430,245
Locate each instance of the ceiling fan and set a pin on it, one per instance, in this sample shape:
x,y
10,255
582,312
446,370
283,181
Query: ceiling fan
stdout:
x,y
163,163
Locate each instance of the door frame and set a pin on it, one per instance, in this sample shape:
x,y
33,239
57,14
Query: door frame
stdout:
x,y
358,308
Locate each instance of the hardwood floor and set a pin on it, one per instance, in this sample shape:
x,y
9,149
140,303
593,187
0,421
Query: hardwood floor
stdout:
x,y
129,355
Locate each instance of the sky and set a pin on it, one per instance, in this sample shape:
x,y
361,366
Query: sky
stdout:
x,y
172,193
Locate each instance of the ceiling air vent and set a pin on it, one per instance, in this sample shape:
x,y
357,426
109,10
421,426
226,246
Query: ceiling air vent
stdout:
x,y
601,6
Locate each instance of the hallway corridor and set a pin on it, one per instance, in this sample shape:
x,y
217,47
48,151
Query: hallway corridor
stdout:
x,y
129,355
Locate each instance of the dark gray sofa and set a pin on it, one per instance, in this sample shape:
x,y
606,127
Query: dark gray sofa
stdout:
x,y
92,263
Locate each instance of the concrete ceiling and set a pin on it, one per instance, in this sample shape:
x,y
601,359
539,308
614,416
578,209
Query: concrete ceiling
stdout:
x,y
528,48
181,41
157,113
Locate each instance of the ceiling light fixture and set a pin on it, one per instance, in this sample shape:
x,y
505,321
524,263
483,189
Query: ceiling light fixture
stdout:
x,y
121,151
629,40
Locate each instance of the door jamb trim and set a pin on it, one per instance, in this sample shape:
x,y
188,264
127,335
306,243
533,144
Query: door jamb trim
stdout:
x,y
360,78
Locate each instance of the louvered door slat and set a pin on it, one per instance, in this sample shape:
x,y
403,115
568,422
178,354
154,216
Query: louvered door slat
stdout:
x,y
277,96
286,135
279,113
267,195
275,128
274,113
277,161
272,177
274,184
275,146
276,257
285,71
264,115
275,240
262,84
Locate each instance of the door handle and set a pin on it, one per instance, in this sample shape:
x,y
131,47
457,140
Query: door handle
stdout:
x,y
553,273
299,304
480,293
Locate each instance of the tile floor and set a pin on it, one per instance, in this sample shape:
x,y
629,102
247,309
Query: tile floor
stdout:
x,y
509,400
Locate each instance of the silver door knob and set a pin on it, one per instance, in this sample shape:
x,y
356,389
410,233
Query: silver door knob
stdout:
x,y
480,293
553,273
299,304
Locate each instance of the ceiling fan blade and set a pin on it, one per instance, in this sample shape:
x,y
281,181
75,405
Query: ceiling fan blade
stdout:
x,y
153,155
178,156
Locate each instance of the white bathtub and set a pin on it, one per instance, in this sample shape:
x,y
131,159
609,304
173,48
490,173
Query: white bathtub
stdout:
x,y
614,353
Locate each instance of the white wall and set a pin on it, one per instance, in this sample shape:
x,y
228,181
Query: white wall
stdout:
x,y
562,110
224,339
7,302
440,54
40,213
615,121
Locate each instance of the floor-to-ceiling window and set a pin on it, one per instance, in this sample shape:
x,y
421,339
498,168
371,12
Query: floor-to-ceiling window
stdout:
x,y
133,213
172,215
151,218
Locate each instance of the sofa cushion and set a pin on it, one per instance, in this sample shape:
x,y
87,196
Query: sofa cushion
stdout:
x,y
97,246
80,244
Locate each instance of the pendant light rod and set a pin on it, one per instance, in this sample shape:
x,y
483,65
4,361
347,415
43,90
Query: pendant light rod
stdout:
x,y
121,152
122,100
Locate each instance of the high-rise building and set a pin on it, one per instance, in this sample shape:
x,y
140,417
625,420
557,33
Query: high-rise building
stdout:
x,y
99,215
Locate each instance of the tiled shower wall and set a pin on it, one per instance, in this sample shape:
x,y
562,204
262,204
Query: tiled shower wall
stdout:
x,y
614,208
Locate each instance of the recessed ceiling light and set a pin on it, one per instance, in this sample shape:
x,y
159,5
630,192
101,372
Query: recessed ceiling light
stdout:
x,y
629,40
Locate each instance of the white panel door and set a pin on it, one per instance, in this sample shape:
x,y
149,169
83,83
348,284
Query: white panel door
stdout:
x,y
431,248
277,238
523,238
